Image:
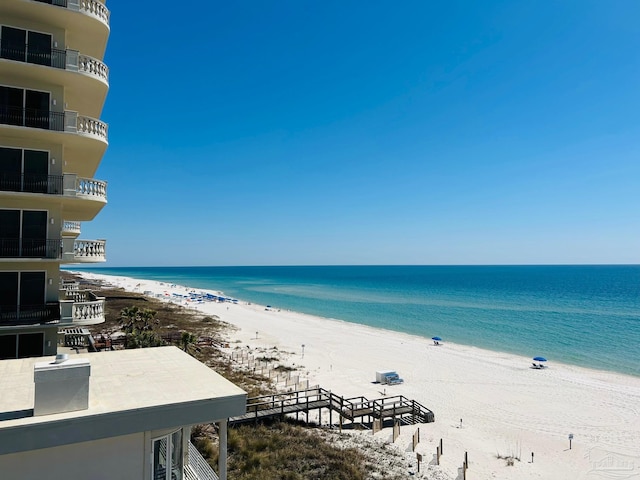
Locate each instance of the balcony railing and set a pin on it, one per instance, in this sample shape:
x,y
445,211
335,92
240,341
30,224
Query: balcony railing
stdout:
x,y
81,307
88,7
89,250
90,66
83,251
68,185
29,314
71,60
70,228
31,183
66,121
67,287
30,248
31,117
88,187
198,468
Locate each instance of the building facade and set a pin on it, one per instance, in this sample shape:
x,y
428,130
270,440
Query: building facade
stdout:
x,y
53,84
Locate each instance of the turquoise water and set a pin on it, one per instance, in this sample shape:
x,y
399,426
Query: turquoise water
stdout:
x,y
585,315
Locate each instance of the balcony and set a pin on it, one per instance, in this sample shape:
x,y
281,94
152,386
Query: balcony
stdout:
x,y
69,185
70,60
23,315
92,8
70,228
83,251
40,248
81,307
66,121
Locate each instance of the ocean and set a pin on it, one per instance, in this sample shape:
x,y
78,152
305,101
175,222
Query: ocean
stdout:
x,y
583,315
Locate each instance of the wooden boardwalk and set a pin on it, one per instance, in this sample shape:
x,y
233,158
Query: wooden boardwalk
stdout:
x,y
353,409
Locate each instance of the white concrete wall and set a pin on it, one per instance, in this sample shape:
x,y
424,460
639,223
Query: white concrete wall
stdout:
x,y
117,458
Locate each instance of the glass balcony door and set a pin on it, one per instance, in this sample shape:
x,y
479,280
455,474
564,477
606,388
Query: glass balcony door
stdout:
x,y
25,46
25,171
22,345
14,44
36,171
23,234
27,108
39,48
22,296
167,457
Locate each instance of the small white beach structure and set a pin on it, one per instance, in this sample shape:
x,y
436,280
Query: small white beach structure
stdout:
x,y
388,377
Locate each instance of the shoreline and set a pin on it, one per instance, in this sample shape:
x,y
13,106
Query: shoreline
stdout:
x,y
574,329
506,407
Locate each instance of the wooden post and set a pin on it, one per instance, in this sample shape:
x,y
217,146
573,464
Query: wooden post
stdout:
x,y
419,458
464,471
330,413
438,455
466,461
440,446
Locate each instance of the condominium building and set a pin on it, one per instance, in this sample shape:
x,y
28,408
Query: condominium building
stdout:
x,y
53,84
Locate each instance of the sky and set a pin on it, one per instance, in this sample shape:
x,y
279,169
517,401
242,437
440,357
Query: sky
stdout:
x,y
348,133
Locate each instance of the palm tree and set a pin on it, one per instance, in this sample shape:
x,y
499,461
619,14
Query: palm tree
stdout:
x,y
187,339
138,325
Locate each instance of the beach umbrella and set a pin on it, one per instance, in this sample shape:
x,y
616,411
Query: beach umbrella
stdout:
x,y
436,339
540,359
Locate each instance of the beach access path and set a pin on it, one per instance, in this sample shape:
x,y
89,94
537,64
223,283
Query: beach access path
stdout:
x,y
488,404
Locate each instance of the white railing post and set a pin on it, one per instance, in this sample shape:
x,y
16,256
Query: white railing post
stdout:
x,y
72,60
70,121
69,184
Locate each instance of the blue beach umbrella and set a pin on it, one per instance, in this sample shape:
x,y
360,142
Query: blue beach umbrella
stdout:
x,y
540,359
437,339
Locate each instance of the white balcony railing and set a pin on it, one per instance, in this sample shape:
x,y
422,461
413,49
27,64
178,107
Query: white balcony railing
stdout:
x,y
83,251
75,186
95,8
89,250
70,228
92,8
84,125
197,467
67,288
78,62
81,307
88,187
94,67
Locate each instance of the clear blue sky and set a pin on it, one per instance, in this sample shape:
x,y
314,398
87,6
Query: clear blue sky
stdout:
x,y
342,132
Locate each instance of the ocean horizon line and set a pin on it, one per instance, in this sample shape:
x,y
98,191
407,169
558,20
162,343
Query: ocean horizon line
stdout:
x,y
99,267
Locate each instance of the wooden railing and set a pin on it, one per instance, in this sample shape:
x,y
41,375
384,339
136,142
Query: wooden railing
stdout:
x,y
281,404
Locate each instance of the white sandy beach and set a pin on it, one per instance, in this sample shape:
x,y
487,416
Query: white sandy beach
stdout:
x,y
506,407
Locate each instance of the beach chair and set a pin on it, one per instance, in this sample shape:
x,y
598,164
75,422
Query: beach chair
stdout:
x,y
536,366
